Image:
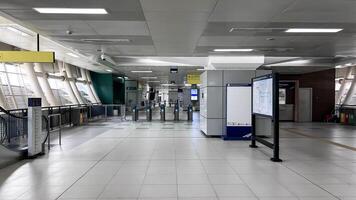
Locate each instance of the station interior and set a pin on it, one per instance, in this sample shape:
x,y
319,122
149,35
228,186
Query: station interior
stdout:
x,y
178,100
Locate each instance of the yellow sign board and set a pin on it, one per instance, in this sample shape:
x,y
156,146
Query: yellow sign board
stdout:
x,y
193,78
27,57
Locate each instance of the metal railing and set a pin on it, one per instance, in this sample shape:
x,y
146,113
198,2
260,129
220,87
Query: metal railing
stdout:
x,y
13,123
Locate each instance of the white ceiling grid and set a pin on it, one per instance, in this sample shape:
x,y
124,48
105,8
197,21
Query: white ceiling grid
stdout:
x,y
194,28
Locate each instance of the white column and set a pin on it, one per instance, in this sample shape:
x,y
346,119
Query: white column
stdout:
x,y
351,92
342,91
35,85
87,84
72,83
3,102
92,87
43,80
67,86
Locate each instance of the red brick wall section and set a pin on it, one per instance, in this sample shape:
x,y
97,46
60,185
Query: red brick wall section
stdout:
x,y
323,84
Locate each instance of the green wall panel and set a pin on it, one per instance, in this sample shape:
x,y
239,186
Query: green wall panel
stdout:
x,y
103,85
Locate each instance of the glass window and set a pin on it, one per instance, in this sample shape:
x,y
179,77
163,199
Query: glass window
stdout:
x,y
282,96
83,89
15,86
59,91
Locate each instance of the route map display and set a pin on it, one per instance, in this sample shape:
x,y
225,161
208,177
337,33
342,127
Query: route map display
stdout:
x,y
263,97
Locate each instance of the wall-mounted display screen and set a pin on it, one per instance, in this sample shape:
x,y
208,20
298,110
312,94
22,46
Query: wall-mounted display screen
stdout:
x,y
263,96
194,94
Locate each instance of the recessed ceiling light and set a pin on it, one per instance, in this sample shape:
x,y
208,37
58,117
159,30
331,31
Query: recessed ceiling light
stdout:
x,y
149,77
88,11
106,40
17,31
233,50
314,30
108,70
141,71
73,55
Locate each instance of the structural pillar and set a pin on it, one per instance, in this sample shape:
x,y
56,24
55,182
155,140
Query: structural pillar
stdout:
x,y
35,85
67,86
43,80
87,84
72,83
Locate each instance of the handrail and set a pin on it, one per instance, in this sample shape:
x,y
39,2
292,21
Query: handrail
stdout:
x,y
10,114
48,132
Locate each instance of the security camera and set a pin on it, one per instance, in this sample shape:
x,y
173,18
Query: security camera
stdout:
x,y
69,32
103,57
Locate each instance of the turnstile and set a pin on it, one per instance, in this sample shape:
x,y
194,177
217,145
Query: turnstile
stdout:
x,y
149,113
176,112
190,113
135,113
162,112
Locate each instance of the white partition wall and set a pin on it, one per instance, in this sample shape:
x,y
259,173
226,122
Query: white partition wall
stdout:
x,y
213,97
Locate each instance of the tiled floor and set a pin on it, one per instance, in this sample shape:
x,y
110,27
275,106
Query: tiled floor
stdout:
x,y
125,160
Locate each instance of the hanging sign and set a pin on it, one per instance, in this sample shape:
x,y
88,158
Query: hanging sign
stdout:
x,y
27,57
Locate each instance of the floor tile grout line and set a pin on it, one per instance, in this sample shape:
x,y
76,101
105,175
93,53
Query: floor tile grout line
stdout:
x,y
88,171
206,173
309,181
320,139
241,179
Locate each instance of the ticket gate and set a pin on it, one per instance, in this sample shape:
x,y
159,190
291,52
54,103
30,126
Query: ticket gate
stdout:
x,y
149,113
190,113
176,112
162,112
135,113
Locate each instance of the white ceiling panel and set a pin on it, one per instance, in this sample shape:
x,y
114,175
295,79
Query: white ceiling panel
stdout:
x,y
119,27
132,50
181,5
246,11
319,11
59,27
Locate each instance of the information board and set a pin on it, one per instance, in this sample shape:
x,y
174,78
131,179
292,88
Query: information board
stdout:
x,y
238,106
263,96
194,94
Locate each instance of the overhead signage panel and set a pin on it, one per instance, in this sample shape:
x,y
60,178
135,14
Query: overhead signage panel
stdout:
x,y
27,57
193,79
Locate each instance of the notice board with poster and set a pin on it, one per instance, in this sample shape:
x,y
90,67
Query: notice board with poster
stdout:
x,y
238,112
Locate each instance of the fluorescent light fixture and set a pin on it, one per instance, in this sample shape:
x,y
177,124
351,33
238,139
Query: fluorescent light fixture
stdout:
x,y
106,40
149,77
233,50
151,61
148,71
17,31
73,55
314,30
108,70
88,11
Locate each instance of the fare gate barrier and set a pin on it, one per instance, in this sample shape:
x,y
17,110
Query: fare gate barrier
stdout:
x,y
162,112
176,112
134,114
149,113
190,113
